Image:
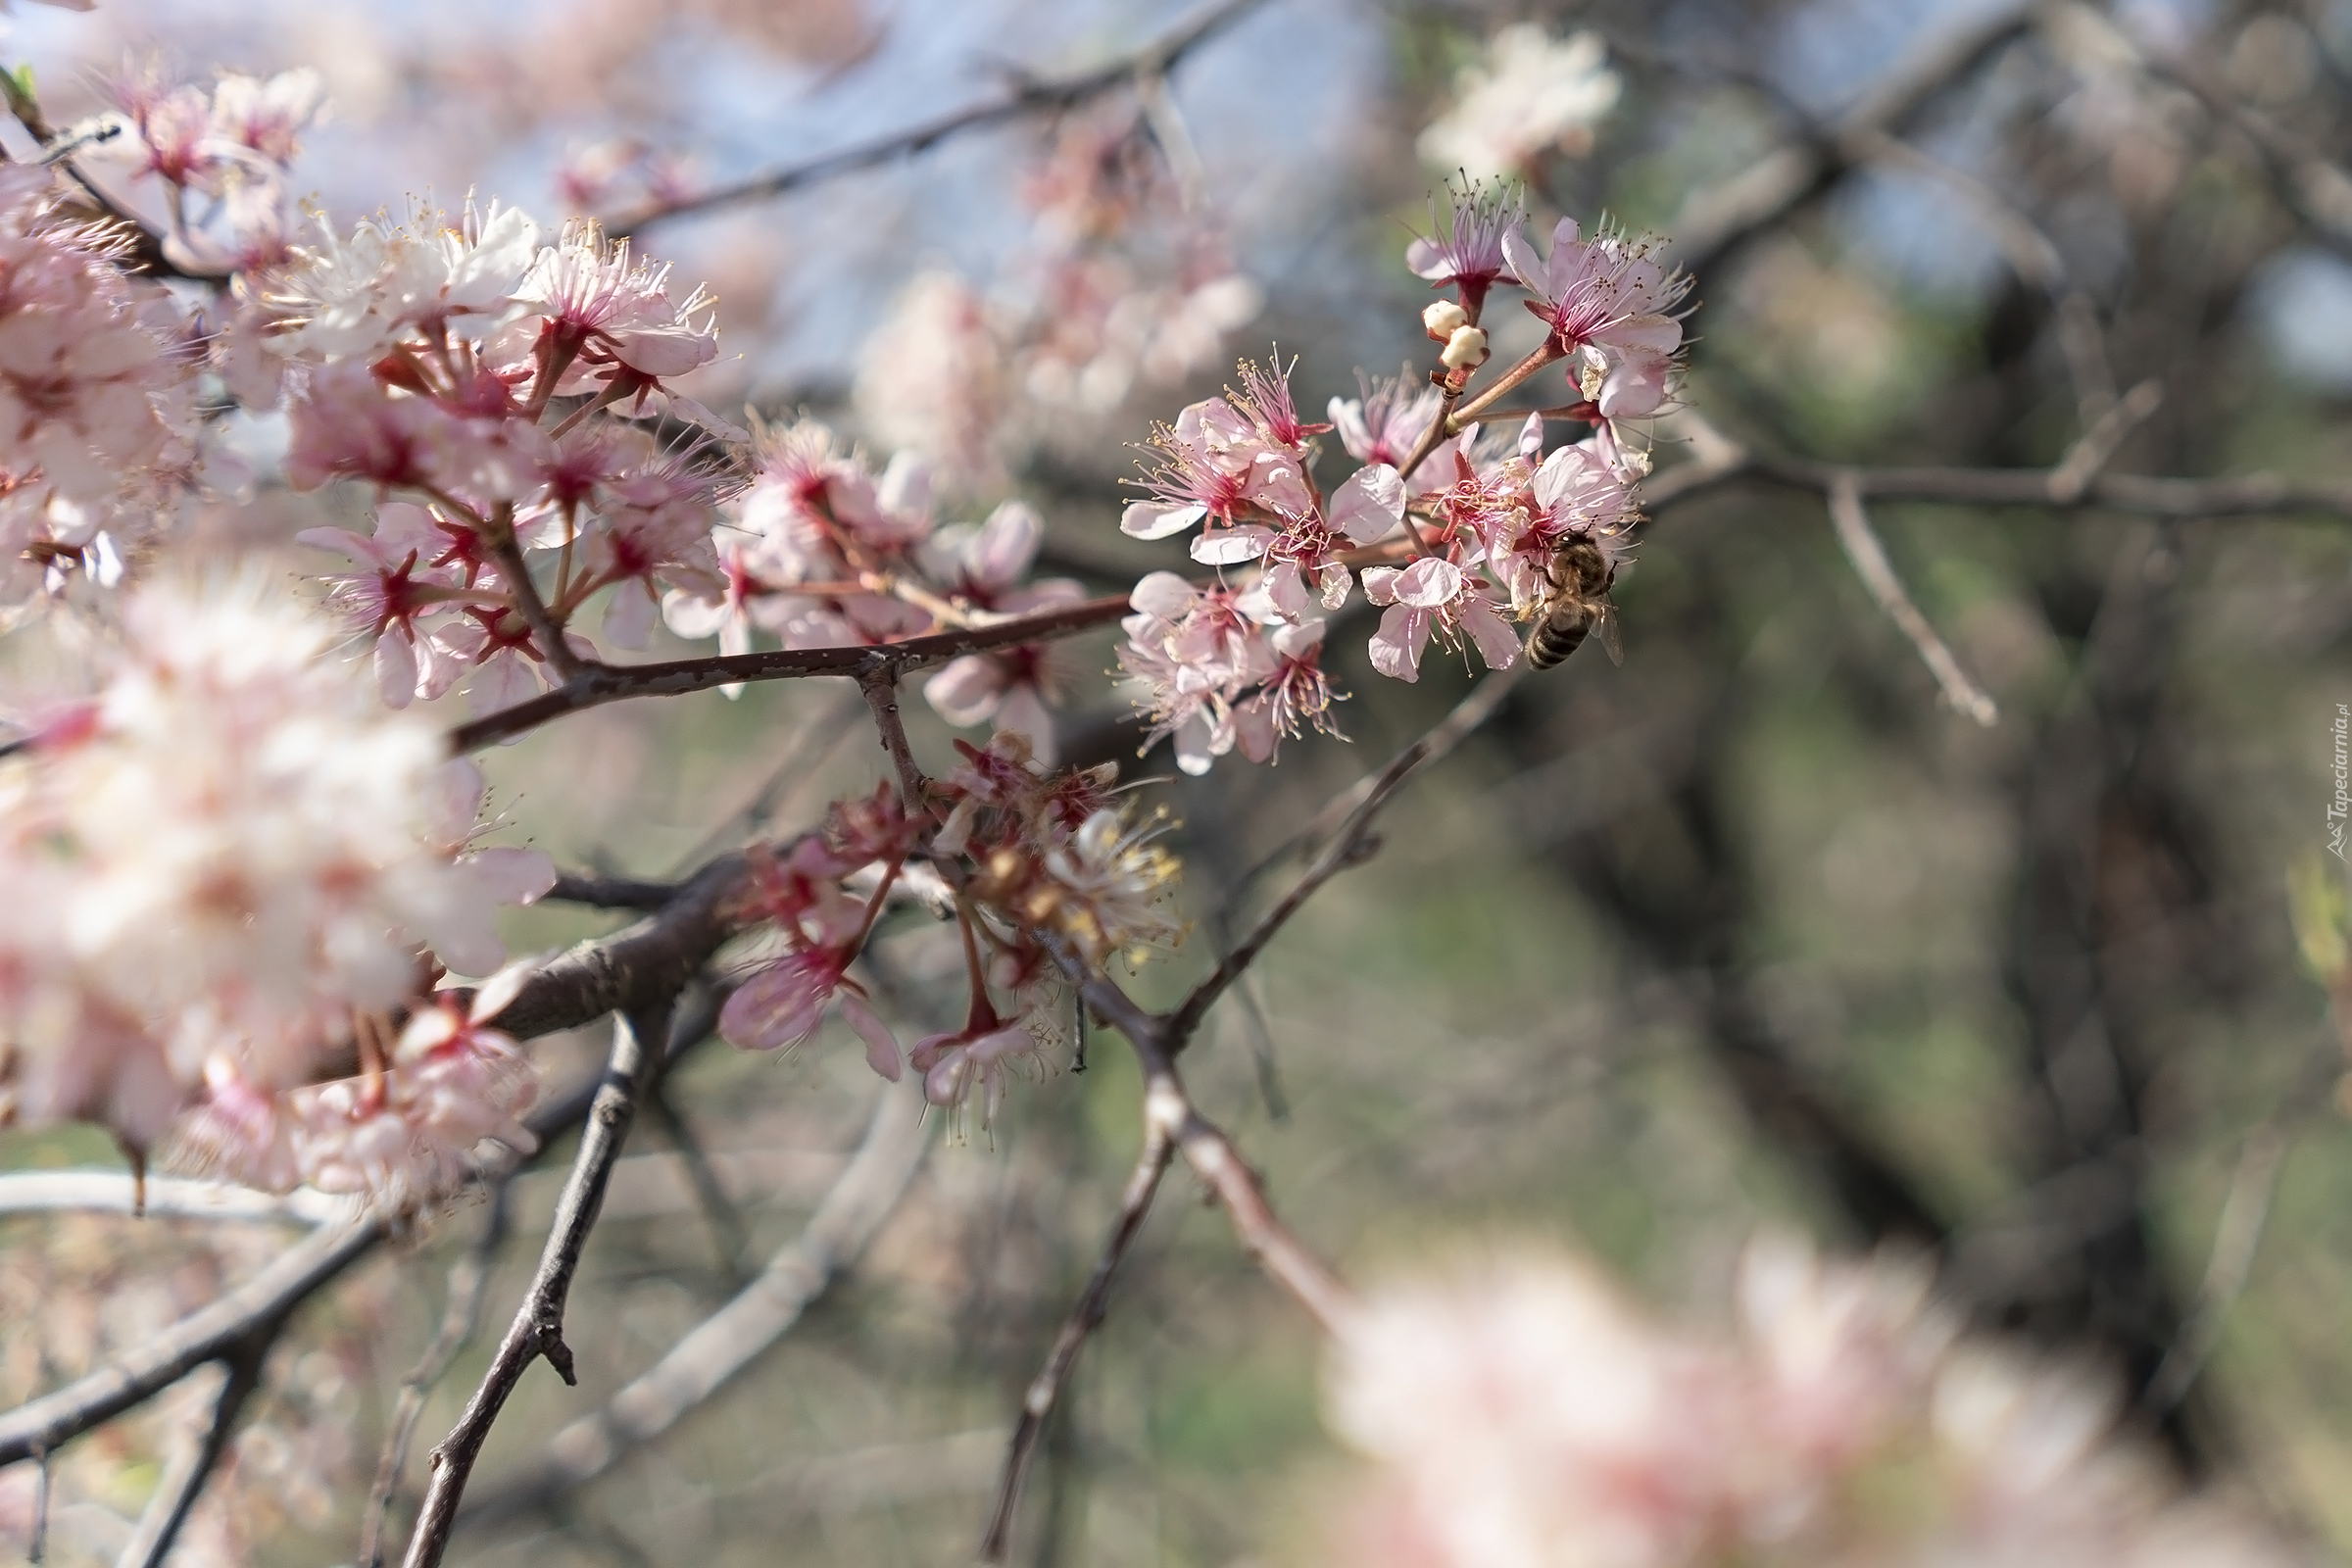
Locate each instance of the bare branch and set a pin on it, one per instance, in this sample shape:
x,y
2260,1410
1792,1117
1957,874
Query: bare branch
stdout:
x,y
599,684
2235,1239
1717,219
110,1192
1085,1316
880,686
1346,846
1154,59
1869,555
866,1194
538,1327
499,539
717,1212
183,1479
2088,456
459,1316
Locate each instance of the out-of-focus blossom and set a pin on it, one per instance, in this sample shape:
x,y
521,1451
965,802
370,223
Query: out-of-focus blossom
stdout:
x,y
1526,1414
1016,687
96,422
1530,94
244,854
933,379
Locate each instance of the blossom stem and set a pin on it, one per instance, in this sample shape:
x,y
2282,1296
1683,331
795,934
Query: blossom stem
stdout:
x,y
1544,354
612,391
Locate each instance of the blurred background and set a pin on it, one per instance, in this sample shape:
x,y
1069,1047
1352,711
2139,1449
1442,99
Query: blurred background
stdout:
x,y
1749,932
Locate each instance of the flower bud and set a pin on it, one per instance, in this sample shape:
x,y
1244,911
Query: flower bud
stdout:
x,y
1465,350
1445,318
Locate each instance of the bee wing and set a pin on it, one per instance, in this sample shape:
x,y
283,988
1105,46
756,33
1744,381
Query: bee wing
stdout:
x,y
1604,627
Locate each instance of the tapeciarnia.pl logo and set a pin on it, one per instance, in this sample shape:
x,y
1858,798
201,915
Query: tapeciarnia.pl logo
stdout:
x,y
2342,805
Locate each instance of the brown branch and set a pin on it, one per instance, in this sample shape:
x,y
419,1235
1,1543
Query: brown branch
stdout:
x,y
498,538
1085,1316
611,892
1345,846
1714,221
720,1347
183,1480
1154,59
538,1327
1878,574
599,684
459,1316
718,1213
880,686
2146,495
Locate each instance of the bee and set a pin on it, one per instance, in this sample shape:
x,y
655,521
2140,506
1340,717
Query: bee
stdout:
x,y
1577,606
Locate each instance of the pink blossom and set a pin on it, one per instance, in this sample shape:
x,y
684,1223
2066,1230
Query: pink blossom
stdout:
x,y
266,116
1434,595
1297,690
980,1058
1468,249
604,317
780,1008
1213,465
409,578
1611,308
1387,421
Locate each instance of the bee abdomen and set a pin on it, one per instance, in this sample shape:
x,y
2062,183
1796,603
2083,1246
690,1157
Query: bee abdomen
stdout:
x,y
1556,637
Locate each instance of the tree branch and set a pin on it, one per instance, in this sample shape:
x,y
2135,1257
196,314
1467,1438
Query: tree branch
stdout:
x,y
1714,221
110,1192
599,684
866,1194
1085,1316
538,1327
459,1316
183,1480
880,686
1346,846
1722,461
1869,558
1154,59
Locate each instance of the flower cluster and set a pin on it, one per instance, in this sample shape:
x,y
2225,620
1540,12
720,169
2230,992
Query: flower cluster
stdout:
x,y
1457,534
1048,871
1525,1413
97,426
821,552
222,158
231,871
973,381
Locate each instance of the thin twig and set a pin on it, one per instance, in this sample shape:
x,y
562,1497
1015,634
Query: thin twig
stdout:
x,y
718,1213
538,1328
183,1479
109,1191
2235,1239
469,1279
1155,59
599,684
1345,845
722,1345
2088,456
880,687
499,540
1877,573
1085,1316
